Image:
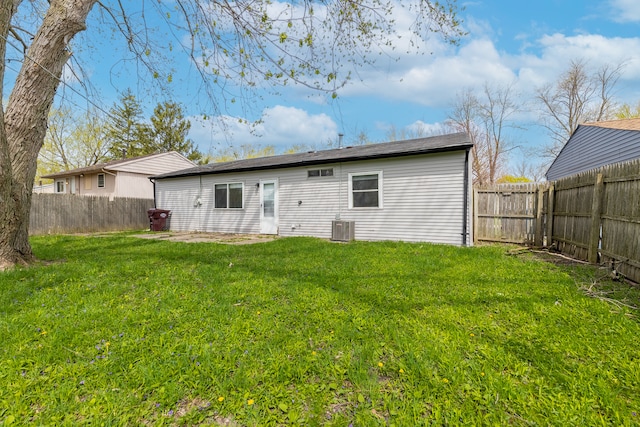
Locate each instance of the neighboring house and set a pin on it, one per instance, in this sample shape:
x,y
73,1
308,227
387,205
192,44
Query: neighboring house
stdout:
x,y
119,178
597,144
43,188
415,190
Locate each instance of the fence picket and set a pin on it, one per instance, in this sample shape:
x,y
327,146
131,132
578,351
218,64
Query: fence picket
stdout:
x,y
67,213
594,216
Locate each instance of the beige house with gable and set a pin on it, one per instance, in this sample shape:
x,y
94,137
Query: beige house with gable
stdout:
x,y
119,178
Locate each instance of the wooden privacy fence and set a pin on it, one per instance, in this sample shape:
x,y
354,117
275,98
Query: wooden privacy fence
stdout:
x,y
510,213
596,216
593,216
67,213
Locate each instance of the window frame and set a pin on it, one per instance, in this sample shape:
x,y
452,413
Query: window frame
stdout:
x,y
64,186
328,173
228,199
379,189
104,181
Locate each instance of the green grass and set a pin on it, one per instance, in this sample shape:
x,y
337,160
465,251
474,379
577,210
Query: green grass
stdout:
x,y
300,331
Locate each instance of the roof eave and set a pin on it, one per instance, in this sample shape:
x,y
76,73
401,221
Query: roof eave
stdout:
x,y
301,163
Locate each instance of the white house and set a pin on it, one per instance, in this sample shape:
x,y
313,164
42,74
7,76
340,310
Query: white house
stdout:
x,y
118,178
415,190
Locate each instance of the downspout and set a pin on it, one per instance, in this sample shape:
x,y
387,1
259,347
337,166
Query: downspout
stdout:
x,y
155,205
465,203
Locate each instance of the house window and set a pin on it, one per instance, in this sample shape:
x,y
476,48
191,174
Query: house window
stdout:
x,y
229,196
59,186
100,180
313,173
365,190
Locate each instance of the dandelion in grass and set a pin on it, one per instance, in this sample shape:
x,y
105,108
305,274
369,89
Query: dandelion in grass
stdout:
x,y
221,398
472,335
250,402
313,353
482,374
380,364
401,371
444,380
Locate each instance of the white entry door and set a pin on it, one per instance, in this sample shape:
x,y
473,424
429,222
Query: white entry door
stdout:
x,y
269,207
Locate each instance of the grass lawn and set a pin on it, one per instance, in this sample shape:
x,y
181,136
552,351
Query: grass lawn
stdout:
x,y
300,331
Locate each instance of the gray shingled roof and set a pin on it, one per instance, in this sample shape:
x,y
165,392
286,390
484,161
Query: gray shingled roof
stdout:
x,y
434,144
98,166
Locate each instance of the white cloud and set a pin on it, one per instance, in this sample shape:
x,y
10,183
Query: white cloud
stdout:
x,y
557,50
626,10
434,80
281,126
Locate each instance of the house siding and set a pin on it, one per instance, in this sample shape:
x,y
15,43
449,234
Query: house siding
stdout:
x,y
88,185
155,165
179,195
133,185
422,200
128,178
591,147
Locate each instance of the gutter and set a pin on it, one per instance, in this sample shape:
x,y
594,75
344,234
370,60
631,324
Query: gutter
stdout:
x,y
155,205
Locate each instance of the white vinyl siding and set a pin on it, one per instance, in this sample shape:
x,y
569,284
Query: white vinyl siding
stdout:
x,y
181,197
421,199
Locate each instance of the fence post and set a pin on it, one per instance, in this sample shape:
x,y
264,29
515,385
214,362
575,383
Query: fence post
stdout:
x,y
475,215
537,238
594,232
550,207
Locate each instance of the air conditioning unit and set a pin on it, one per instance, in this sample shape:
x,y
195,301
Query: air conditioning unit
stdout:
x,y
343,231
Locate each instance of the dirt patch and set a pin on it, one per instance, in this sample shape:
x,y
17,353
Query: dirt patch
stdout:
x,y
226,238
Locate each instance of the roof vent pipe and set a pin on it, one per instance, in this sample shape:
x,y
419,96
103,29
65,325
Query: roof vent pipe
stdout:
x,y
340,135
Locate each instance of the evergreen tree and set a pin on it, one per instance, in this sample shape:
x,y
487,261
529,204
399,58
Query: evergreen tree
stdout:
x,y
169,131
127,134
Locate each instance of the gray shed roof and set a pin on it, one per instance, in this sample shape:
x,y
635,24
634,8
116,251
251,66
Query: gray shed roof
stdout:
x,y
434,144
593,145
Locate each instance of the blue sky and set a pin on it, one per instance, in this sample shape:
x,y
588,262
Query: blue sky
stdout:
x,y
524,43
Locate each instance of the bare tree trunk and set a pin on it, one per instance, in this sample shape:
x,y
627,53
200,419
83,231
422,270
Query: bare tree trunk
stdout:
x,y
25,119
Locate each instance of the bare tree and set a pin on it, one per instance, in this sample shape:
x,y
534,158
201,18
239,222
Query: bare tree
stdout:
x,y
72,141
486,119
580,95
418,129
233,45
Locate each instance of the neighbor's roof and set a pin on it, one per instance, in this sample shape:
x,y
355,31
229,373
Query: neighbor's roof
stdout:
x,y
114,165
624,124
597,144
434,144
